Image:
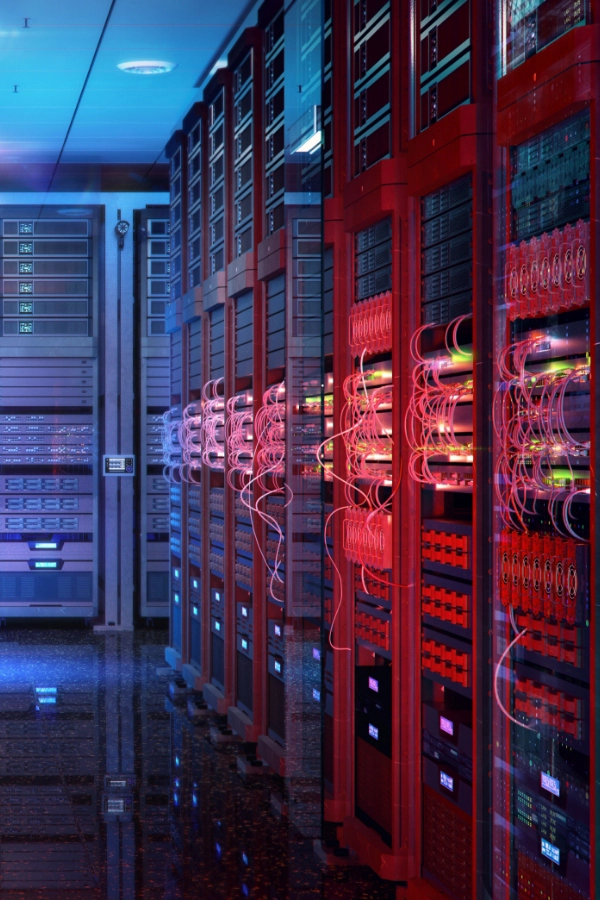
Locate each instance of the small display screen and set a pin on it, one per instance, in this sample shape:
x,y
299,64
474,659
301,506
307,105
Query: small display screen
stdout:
x,y
43,564
277,666
550,784
25,327
119,465
446,725
374,685
446,781
25,307
373,732
550,851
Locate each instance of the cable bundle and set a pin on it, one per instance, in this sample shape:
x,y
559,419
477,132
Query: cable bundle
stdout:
x,y
430,424
366,436
240,450
190,439
538,448
213,419
171,448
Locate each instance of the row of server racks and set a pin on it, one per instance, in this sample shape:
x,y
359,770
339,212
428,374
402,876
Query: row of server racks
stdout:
x,y
380,439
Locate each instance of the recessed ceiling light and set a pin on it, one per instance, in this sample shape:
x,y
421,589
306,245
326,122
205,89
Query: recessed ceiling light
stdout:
x,y
147,67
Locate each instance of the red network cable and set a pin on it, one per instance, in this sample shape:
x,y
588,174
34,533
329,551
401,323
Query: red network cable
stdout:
x,y
538,446
430,424
269,462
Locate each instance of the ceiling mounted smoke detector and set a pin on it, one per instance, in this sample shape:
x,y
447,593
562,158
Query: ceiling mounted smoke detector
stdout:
x,y
147,67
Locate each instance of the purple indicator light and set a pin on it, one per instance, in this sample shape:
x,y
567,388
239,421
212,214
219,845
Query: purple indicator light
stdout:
x,y
446,725
550,784
374,685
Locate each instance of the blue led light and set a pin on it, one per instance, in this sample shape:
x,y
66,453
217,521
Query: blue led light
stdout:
x,y
175,799
176,760
176,573
446,781
245,890
195,583
245,611
176,598
277,666
217,626
316,695
245,645
245,858
194,800
218,849
373,732
195,608
46,690
316,653
41,564
46,699
45,545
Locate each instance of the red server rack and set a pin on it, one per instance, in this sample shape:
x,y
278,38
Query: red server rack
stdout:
x,y
545,600
447,431
368,758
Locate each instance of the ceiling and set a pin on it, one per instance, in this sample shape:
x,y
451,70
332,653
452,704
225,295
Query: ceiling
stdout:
x,y
122,118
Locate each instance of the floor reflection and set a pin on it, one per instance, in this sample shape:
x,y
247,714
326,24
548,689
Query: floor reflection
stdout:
x,y
108,790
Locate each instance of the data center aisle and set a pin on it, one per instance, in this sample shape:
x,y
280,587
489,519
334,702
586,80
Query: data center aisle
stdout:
x,y
107,789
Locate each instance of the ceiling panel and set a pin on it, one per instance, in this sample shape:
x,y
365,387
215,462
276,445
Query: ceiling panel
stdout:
x,y
122,117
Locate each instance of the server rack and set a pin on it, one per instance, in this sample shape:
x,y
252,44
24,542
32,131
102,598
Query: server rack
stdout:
x,y
49,398
545,621
153,285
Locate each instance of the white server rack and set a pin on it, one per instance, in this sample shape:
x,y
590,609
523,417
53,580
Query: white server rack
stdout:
x,y
49,411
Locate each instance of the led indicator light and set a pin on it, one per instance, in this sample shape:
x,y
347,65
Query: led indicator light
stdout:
x,y
550,784
373,732
550,852
217,626
195,608
277,630
374,685
176,598
316,653
245,645
446,781
245,611
277,666
316,695
446,725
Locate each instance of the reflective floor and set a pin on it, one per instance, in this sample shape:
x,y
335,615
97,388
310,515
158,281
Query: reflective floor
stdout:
x,y
107,790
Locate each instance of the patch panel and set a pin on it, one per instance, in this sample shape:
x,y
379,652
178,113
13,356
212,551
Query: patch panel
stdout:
x,y
557,711
370,325
548,274
368,538
544,574
449,603
450,663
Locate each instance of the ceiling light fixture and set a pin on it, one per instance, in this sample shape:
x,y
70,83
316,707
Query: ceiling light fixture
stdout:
x,y
147,67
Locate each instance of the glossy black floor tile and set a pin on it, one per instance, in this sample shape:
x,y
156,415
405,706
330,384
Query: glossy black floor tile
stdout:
x,y
108,790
